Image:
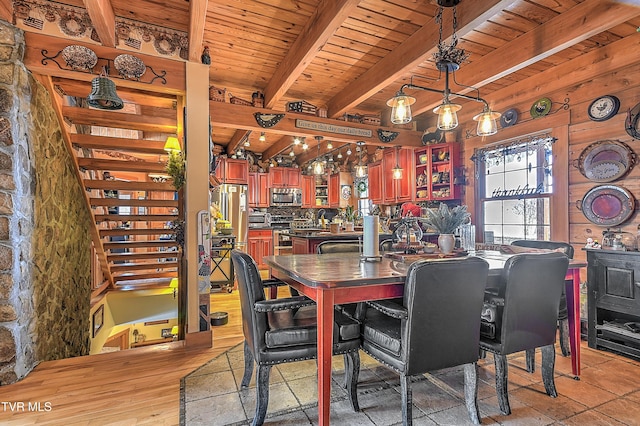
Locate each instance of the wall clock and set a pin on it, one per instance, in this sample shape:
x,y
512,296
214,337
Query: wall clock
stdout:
x,y
603,108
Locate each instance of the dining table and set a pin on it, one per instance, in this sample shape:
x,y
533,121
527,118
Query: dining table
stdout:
x,y
339,278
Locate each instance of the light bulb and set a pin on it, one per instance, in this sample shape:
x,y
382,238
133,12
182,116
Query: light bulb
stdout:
x,y
296,140
339,154
447,115
329,145
305,146
349,151
262,137
291,154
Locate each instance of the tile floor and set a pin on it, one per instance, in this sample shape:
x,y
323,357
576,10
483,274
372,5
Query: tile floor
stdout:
x,y
608,393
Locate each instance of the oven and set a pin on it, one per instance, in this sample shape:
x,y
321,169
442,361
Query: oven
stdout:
x,y
259,220
286,197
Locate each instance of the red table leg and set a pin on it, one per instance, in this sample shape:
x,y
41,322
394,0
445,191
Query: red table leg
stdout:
x,y
325,306
573,308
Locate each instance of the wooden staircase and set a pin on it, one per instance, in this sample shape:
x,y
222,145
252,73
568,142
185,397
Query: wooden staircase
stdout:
x,y
121,163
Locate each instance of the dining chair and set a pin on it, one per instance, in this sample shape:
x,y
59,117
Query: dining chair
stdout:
x,y
386,245
436,325
285,330
563,317
524,316
353,310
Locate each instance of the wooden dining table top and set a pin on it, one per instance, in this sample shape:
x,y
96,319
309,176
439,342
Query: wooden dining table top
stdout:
x,y
348,269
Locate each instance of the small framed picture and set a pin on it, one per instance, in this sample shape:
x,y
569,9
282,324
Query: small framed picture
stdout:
x,y
166,332
98,320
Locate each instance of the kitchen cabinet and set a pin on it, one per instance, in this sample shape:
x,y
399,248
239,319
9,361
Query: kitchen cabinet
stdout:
x,y
231,170
613,301
340,190
435,171
398,190
308,192
260,244
284,177
374,176
258,190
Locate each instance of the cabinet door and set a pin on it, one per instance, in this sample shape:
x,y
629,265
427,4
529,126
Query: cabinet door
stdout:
x,y
263,190
278,177
293,178
334,190
375,183
422,174
405,186
253,190
308,192
237,171
443,159
388,183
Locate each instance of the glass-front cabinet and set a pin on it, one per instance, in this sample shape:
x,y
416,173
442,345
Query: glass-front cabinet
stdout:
x,y
435,168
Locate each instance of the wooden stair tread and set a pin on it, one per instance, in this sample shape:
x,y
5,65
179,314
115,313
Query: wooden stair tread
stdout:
x,y
121,165
136,217
119,120
137,231
141,266
126,257
111,245
111,202
129,277
119,144
128,186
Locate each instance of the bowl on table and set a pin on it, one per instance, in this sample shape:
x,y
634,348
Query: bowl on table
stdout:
x,y
226,231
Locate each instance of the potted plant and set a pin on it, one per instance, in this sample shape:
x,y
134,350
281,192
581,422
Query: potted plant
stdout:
x,y
349,217
176,169
445,221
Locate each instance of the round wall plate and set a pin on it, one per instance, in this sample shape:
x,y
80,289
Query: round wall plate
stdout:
x,y
606,161
603,108
540,108
608,205
509,118
632,123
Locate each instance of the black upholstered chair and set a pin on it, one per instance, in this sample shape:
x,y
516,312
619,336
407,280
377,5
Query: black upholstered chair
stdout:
x,y
563,318
386,245
525,315
338,246
436,326
284,330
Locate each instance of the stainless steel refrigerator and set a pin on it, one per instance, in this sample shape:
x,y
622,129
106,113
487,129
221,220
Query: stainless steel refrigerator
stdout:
x,y
232,200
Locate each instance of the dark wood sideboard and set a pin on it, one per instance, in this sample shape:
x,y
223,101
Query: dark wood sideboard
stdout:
x,y
613,298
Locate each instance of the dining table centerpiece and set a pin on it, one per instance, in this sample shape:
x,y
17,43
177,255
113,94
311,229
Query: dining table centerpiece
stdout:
x,y
445,221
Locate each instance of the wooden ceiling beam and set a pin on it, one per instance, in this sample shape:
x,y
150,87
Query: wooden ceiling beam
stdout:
x,y
103,20
197,18
413,52
276,148
237,138
567,29
242,117
320,27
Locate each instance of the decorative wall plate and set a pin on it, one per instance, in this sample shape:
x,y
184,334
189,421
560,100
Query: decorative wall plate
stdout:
x,y
540,108
607,205
632,123
606,161
129,66
79,57
509,118
603,108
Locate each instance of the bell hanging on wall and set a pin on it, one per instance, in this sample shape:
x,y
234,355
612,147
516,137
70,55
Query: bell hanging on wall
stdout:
x,y
103,93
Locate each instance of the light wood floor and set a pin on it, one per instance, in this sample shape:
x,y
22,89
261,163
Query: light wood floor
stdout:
x,y
131,387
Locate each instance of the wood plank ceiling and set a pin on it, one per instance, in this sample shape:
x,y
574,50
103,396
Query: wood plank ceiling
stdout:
x,y
351,56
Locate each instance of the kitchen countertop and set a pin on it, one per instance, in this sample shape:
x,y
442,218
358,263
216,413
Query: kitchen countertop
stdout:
x,y
313,234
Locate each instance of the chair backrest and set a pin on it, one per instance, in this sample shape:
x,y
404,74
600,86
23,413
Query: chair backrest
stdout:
x,y
532,290
386,245
444,300
549,245
251,290
340,246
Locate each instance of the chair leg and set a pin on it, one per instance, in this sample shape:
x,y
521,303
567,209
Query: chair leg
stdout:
x,y
407,400
471,391
548,367
502,375
530,355
565,347
351,373
248,366
262,394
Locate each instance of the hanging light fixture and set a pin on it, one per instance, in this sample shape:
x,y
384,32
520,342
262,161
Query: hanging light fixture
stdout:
x,y
340,154
296,140
103,93
305,146
262,137
291,153
329,145
360,169
396,172
348,150
318,164
448,60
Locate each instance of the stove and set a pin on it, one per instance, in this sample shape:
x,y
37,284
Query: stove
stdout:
x,y
281,221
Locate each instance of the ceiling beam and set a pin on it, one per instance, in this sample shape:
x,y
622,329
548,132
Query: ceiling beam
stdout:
x,y
323,23
411,53
237,138
579,23
197,18
103,20
276,148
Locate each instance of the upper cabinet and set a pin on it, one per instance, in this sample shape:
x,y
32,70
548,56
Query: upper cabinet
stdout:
x,y
284,177
230,170
375,182
398,190
435,167
340,188
258,191
308,191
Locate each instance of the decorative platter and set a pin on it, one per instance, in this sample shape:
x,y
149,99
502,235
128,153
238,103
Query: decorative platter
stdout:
x,y
607,205
129,66
632,123
79,57
509,118
606,161
540,108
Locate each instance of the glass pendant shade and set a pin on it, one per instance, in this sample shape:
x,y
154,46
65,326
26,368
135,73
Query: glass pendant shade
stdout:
x,y
397,172
318,167
361,171
487,125
447,115
401,108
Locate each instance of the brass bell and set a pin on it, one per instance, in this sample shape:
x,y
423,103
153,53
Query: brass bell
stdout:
x,y
103,94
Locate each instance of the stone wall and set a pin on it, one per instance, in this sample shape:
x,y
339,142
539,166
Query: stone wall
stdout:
x,y
44,238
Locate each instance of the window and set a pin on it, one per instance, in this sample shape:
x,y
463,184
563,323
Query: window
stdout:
x,y
515,187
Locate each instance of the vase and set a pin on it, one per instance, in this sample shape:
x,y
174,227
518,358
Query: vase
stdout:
x,y
446,242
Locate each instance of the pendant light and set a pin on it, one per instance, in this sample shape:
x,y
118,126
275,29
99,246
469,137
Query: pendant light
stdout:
x,y
396,172
360,169
318,164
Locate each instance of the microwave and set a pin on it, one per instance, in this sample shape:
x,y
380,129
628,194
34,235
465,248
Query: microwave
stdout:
x,y
259,220
285,197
